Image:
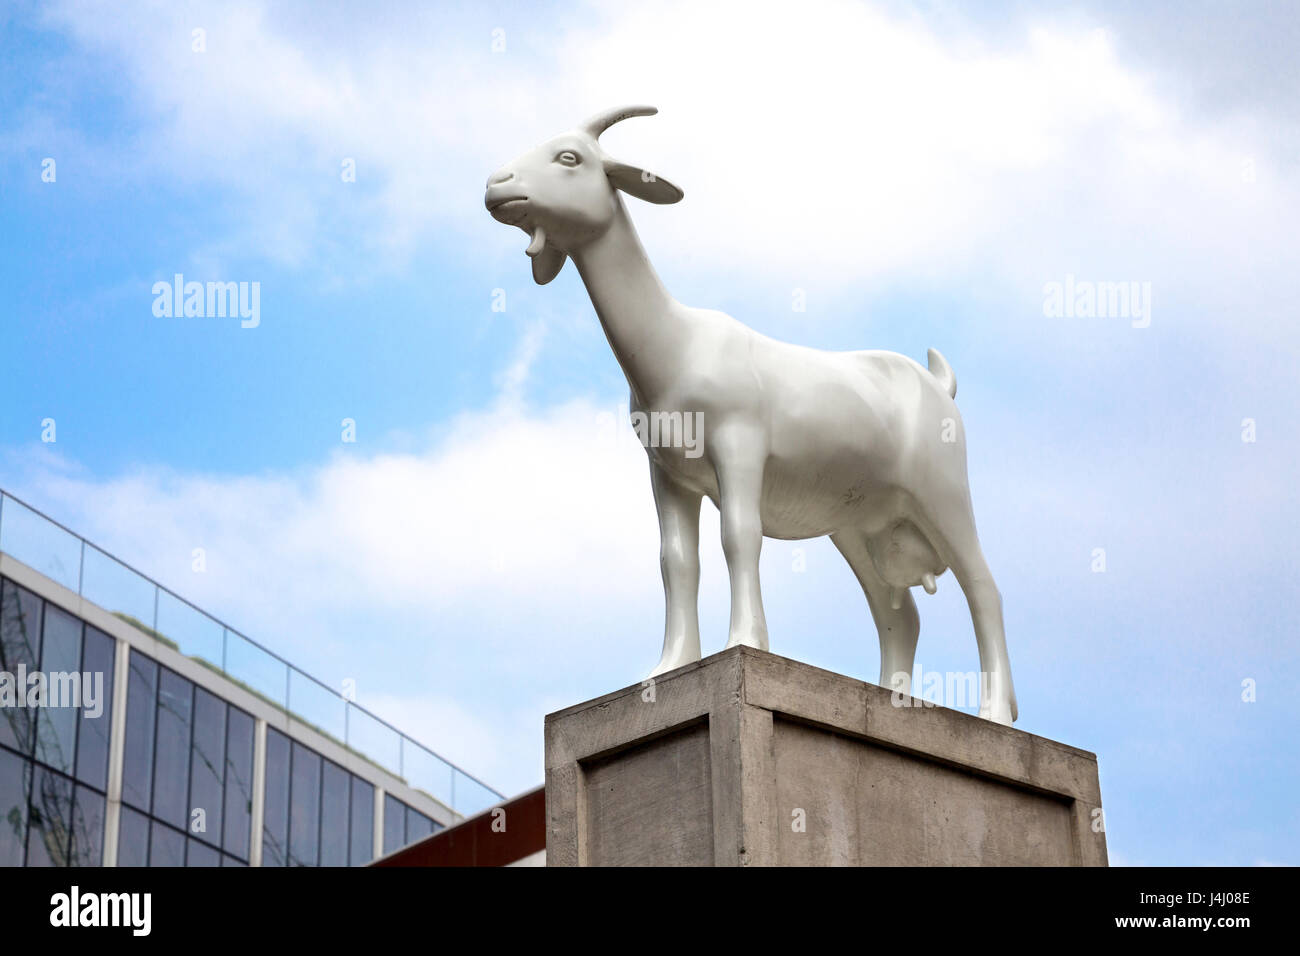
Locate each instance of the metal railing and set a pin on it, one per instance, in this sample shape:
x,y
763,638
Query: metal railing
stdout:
x,y
65,557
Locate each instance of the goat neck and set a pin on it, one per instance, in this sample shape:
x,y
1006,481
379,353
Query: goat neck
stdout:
x,y
644,324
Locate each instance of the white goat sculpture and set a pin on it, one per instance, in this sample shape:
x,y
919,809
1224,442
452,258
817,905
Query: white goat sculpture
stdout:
x,y
866,447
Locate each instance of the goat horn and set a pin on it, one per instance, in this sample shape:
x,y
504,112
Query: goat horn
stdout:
x,y
603,121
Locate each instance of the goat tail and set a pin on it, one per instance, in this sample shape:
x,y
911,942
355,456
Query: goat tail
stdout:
x,y
943,372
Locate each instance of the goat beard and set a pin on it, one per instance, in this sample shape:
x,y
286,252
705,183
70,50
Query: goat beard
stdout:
x,y
547,259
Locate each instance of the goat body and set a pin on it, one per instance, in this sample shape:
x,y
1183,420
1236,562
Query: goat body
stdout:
x,y
866,447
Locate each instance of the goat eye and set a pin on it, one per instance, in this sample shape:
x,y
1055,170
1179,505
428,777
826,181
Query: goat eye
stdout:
x,y
568,158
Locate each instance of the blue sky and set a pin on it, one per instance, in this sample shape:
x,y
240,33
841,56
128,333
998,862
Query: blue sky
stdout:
x,y
486,551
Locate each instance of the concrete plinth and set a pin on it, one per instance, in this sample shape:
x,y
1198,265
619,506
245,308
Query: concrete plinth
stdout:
x,y
746,758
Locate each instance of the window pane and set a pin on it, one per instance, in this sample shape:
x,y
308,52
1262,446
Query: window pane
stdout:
x,y
239,783
200,854
207,764
132,839
191,632
172,751
304,817
141,714
425,770
56,726
166,846
335,784
362,840
394,823
118,589
15,777
372,739
97,708
317,706
50,819
418,826
231,861
275,826
87,829
248,664
39,543
20,644
472,797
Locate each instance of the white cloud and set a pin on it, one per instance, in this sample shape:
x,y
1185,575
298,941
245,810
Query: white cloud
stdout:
x,y
838,147
395,569
525,495
464,587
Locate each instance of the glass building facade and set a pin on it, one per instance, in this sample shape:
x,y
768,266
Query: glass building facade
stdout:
x,y
190,786
53,760
187,773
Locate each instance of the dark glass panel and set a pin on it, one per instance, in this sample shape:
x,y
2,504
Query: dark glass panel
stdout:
x,y
166,846
275,825
15,778
227,860
50,819
335,784
200,854
207,765
239,783
362,839
20,649
304,814
87,828
141,716
394,823
96,722
56,726
418,826
171,773
132,839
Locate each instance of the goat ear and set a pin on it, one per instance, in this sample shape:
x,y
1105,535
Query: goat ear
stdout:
x,y
641,184
547,264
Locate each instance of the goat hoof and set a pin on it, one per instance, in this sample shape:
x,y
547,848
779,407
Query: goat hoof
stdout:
x,y
998,713
758,641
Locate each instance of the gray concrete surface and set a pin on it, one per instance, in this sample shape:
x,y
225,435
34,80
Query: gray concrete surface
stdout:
x,y
747,758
